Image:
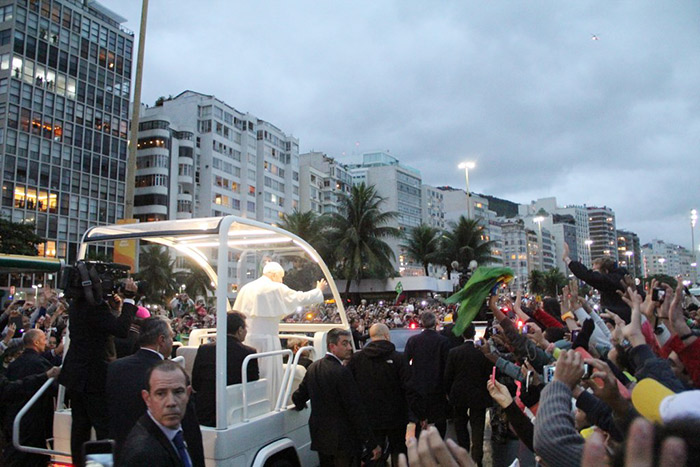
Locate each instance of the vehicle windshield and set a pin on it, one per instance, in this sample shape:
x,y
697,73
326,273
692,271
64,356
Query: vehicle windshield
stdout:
x,y
194,246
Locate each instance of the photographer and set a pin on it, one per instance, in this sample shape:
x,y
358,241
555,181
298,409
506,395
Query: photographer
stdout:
x,y
85,364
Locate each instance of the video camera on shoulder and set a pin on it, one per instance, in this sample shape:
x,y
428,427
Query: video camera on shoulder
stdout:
x,y
96,281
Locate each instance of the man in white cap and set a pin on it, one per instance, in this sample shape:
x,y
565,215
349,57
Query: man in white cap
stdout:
x,y
265,301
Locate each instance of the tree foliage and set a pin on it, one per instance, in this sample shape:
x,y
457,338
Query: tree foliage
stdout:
x,y
662,279
357,234
464,242
548,283
310,227
422,245
18,238
156,268
195,280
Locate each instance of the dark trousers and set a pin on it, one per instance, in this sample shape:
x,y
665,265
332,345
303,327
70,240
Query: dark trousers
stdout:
x,y
476,418
339,459
435,407
88,410
397,441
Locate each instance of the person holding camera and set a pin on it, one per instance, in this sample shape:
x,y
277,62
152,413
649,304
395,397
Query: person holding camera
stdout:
x,y
85,365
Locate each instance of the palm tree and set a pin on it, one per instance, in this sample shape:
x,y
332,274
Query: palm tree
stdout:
x,y
306,225
422,245
547,283
464,243
357,234
536,282
195,280
554,281
156,267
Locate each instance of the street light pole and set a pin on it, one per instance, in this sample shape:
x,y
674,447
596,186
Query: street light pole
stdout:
x,y
134,130
466,166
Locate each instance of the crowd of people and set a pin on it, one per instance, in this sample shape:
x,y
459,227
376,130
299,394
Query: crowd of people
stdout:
x,y
577,380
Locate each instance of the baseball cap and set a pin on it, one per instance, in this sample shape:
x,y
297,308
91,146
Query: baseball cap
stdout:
x,y
659,404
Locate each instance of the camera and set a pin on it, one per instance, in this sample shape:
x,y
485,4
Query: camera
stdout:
x,y
658,294
90,278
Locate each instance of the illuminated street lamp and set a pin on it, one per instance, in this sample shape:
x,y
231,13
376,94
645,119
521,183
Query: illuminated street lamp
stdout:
x,y
539,220
466,166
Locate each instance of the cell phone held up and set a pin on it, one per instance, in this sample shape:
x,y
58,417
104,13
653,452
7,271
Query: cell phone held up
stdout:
x,y
658,294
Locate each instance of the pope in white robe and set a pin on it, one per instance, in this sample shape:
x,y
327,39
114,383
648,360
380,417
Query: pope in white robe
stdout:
x,y
265,301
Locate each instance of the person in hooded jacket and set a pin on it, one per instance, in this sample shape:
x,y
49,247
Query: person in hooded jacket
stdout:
x,y
606,278
382,375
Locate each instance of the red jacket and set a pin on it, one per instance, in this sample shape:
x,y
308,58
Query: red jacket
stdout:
x,y
689,356
547,320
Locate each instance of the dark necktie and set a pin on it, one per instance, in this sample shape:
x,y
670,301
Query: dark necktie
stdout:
x,y
179,443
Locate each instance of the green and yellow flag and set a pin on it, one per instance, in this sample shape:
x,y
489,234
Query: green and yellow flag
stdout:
x,y
472,296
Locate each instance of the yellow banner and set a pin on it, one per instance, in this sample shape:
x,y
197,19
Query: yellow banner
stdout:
x,y
125,250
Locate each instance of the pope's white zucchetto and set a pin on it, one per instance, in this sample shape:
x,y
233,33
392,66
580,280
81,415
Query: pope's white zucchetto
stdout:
x,y
273,267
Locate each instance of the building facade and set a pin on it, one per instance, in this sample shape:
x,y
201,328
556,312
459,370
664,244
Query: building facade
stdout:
x,y
673,260
65,88
199,157
323,183
433,208
602,232
553,214
400,186
629,252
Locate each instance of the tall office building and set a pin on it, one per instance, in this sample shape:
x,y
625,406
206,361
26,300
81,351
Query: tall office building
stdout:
x,y
322,183
673,260
603,233
65,68
579,242
200,157
516,252
433,209
629,252
400,186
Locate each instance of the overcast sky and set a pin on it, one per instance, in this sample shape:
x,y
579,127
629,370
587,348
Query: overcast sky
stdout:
x,y
519,87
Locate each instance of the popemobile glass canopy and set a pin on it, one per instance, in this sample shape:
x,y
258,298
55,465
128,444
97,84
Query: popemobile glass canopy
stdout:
x,y
243,247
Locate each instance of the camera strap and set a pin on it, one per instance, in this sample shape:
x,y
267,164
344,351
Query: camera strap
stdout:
x,y
92,285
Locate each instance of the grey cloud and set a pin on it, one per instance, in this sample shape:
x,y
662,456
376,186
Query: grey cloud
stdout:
x,y
520,86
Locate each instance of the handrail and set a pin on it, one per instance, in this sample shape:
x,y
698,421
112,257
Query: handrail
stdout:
x,y
18,421
288,389
244,377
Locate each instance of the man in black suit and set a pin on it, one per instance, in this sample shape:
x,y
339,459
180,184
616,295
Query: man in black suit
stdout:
x,y
85,365
338,424
426,354
381,374
37,424
465,377
157,438
204,369
126,378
